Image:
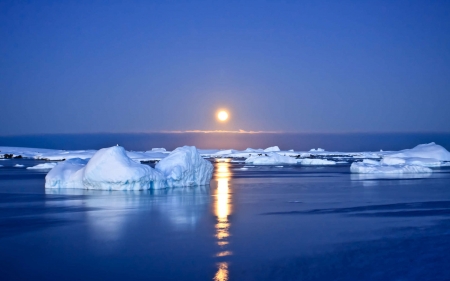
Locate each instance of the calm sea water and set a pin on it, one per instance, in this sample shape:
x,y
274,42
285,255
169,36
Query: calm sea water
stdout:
x,y
146,141
259,223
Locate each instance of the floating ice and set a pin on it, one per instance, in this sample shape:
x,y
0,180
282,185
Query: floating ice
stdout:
x,y
19,166
272,149
317,150
67,174
272,158
316,162
185,167
430,150
375,167
111,169
43,166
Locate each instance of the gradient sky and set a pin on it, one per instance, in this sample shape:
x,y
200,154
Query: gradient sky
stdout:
x,y
301,66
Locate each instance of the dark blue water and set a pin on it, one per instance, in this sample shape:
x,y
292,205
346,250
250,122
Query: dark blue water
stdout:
x,y
146,141
264,223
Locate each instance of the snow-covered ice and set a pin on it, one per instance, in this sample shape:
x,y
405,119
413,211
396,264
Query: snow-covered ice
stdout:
x,y
272,158
19,166
375,167
185,167
111,169
43,166
67,174
316,162
430,150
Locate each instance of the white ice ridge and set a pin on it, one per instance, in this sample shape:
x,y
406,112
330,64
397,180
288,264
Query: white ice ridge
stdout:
x,y
272,158
43,166
185,167
368,166
112,169
427,155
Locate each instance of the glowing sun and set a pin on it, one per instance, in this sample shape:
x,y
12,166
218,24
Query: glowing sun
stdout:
x,y
222,115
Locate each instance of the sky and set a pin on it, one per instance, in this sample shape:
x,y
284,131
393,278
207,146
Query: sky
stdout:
x,y
284,66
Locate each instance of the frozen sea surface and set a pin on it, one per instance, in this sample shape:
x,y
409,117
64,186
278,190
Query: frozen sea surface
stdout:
x,y
258,223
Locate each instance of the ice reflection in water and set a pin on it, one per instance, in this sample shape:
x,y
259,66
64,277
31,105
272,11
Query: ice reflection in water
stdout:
x,y
222,211
108,211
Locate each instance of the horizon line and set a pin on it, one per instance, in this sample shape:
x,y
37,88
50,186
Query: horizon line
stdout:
x,y
233,132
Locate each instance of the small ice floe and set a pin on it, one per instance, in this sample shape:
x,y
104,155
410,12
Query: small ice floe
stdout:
x,y
311,162
278,166
44,166
317,150
243,168
388,167
19,166
272,158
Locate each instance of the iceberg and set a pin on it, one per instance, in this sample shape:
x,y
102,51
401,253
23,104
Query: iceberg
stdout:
x,y
44,166
430,150
375,167
67,174
185,167
112,169
426,155
272,149
108,169
272,158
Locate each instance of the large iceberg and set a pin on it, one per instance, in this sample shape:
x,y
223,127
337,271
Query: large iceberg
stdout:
x,y
111,169
108,169
185,167
272,158
374,167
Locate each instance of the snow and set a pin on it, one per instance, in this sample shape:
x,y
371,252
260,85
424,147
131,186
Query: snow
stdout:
x,y
67,174
185,167
430,150
159,149
272,149
272,158
43,166
112,169
316,162
367,167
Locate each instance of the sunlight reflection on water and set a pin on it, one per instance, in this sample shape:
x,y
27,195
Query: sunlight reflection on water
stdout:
x,y
222,211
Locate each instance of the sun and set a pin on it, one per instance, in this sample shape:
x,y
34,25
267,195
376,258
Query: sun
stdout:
x,y
222,115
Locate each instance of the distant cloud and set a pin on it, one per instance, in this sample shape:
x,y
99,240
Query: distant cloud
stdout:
x,y
240,131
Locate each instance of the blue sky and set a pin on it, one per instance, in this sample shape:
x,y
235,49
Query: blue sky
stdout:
x,y
299,66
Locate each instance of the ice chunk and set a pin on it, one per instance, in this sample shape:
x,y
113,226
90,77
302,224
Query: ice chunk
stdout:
x,y
392,161
273,158
111,169
44,166
67,174
272,149
378,168
158,149
317,150
430,150
185,167
19,166
316,162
